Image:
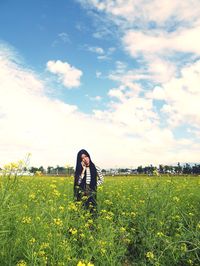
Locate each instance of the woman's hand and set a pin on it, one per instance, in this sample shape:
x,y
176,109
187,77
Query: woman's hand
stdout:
x,y
84,169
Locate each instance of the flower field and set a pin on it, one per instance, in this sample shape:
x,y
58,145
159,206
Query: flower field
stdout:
x,y
141,221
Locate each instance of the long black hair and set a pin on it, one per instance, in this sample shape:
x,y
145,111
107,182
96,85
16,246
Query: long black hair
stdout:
x,y
79,169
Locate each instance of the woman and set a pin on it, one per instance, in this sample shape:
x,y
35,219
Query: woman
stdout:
x,y
87,178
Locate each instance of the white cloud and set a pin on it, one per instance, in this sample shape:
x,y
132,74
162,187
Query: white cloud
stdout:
x,y
160,70
154,36
95,98
159,42
142,12
117,93
127,134
64,37
182,97
67,74
98,74
97,50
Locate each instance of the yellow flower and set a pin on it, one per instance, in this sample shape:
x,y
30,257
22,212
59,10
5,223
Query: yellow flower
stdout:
x,y
26,220
72,207
103,251
53,186
190,262
58,222
80,263
7,167
73,231
32,196
90,221
183,247
82,235
44,245
61,208
108,202
102,243
90,264
32,240
122,229
176,199
56,193
41,253
149,255
21,263
14,165
160,234
107,217
133,214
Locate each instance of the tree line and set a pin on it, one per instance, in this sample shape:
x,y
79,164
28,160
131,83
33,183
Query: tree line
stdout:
x,y
185,169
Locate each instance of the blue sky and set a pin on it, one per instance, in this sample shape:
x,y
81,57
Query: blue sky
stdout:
x,y
115,77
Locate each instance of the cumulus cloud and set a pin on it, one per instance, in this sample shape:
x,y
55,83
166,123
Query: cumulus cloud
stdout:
x,y
181,96
154,38
142,12
185,40
67,74
127,134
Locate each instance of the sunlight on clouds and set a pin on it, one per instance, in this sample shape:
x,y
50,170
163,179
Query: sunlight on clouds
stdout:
x,y
67,74
159,42
160,70
142,12
182,97
54,131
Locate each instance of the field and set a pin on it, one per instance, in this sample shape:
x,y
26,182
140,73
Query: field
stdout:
x,y
141,221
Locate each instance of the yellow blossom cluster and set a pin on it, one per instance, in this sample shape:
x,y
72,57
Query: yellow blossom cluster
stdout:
x,y
26,220
56,193
150,255
73,231
32,240
32,196
80,263
58,222
160,234
72,206
21,263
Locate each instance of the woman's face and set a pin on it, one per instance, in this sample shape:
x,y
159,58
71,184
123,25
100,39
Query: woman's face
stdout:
x,y
85,159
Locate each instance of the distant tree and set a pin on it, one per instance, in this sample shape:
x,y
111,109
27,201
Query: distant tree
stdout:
x,y
187,169
140,169
41,169
103,171
161,169
49,169
69,170
178,168
34,169
196,169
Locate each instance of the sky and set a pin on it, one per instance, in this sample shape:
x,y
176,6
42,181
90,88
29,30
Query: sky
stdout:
x,y
120,79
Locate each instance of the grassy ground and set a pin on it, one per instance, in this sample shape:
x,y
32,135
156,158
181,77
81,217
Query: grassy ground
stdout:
x,y
142,221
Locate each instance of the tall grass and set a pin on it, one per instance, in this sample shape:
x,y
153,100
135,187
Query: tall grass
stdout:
x,y
141,221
